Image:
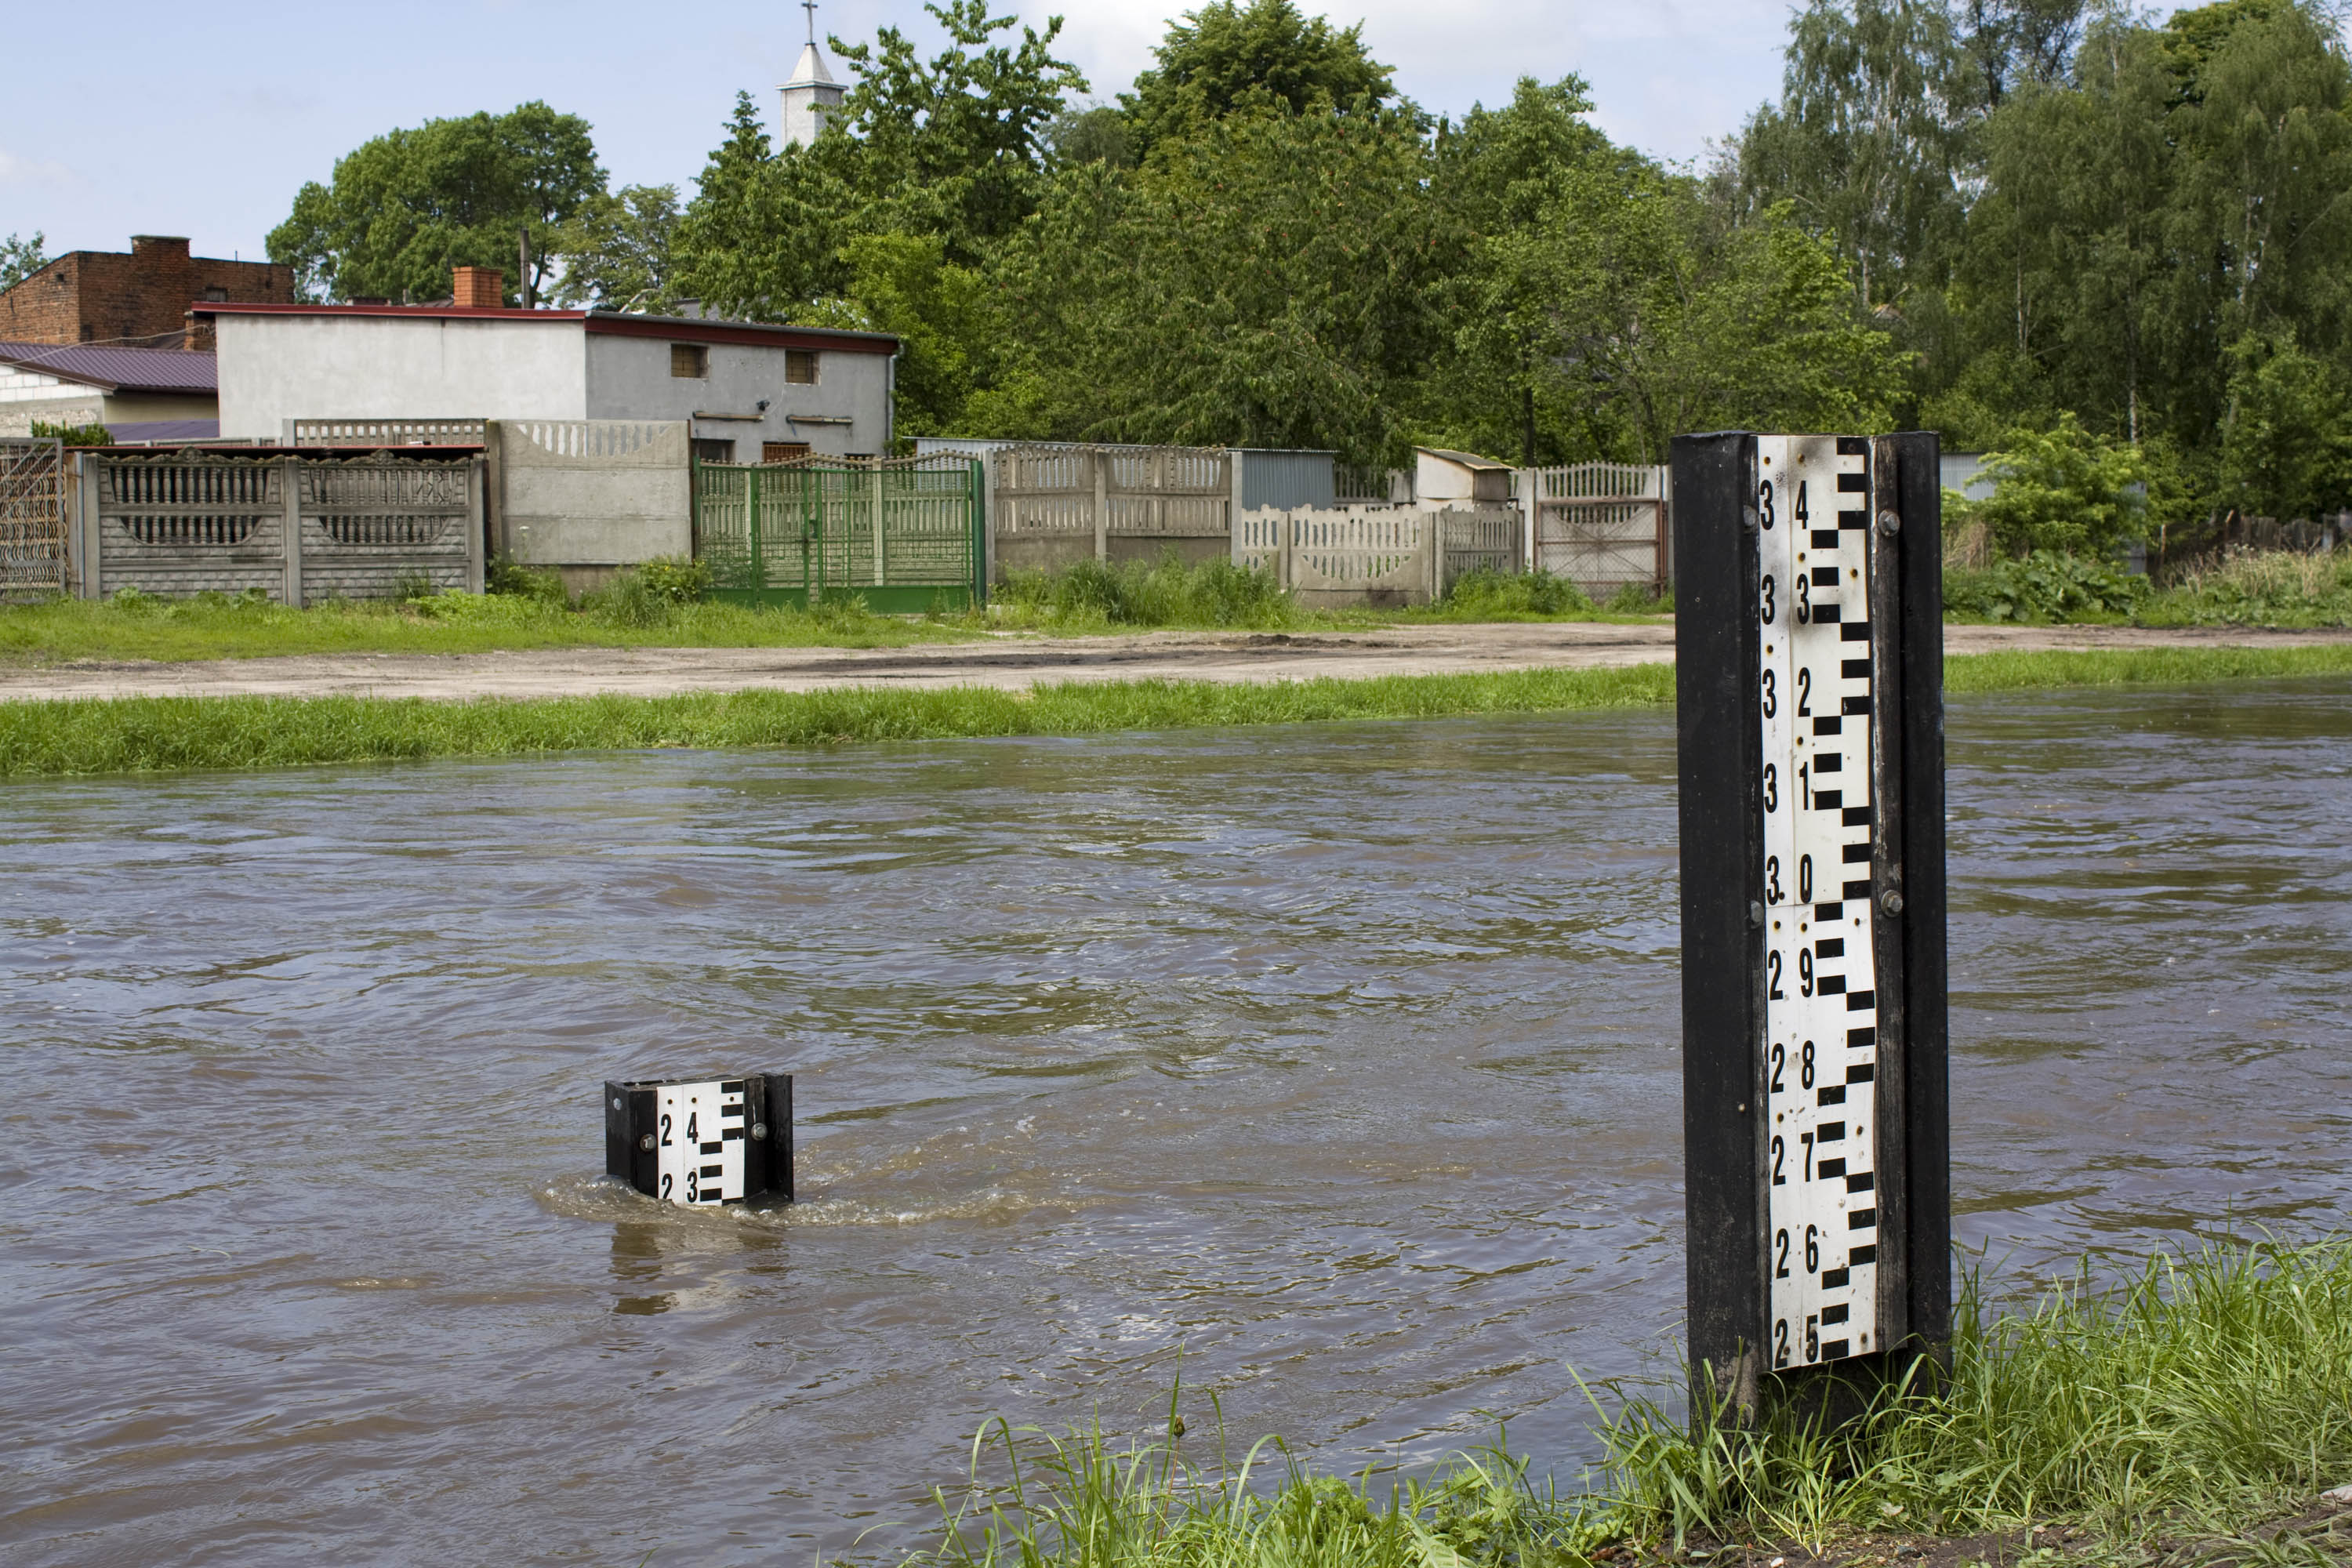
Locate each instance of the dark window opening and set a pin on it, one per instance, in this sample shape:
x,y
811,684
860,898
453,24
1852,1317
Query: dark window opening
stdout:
x,y
711,449
689,361
799,368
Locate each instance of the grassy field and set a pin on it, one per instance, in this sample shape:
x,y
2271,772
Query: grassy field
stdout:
x,y
218,627
2171,1420
151,733
1088,600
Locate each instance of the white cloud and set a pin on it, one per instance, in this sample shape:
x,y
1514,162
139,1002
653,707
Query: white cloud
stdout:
x,y
17,171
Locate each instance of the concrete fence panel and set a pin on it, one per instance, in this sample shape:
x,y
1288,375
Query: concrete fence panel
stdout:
x,y
1055,506
589,496
298,530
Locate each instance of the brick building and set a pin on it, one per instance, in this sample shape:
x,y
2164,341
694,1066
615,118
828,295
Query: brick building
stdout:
x,y
138,299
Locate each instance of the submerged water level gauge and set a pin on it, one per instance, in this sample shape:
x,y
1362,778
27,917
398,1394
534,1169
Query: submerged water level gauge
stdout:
x,y
702,1142
1809,653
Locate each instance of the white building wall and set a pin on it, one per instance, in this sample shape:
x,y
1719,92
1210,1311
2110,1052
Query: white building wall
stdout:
x,y
275,368
629,378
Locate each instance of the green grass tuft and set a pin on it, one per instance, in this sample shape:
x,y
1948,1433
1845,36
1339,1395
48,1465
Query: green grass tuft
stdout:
x,y
2210,1392
2207,1395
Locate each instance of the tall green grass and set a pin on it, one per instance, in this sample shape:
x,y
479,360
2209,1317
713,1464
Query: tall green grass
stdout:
x,y
2206,1396
214,625
148,734
2210,1391
1093,596
139,734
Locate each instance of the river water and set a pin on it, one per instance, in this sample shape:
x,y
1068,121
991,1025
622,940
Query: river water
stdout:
x,y
1331,1068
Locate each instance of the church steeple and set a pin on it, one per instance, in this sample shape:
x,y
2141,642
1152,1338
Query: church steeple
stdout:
x,y
812,93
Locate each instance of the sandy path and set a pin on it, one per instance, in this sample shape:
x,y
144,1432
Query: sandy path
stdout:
x,y
1005,662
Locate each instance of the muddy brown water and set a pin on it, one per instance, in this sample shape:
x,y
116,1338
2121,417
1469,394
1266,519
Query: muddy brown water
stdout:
x,y
1333,1066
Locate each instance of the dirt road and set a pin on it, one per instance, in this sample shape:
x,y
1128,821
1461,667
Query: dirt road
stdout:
x,y
1010,661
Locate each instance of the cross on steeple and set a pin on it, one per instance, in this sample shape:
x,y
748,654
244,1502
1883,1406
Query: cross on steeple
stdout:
x,y
810,6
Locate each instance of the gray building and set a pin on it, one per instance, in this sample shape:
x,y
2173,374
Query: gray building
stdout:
x,y
751,392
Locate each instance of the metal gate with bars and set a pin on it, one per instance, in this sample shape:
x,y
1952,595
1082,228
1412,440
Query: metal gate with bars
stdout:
x,y
1603,526
32,518
902,533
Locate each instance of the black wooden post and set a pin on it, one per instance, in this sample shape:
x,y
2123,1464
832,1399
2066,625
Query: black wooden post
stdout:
x,y
1810,691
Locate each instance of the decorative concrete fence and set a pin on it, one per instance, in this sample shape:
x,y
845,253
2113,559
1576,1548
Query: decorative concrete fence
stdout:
x,y
1055,506
299,529
387,432
1384,556
1600,525
587,497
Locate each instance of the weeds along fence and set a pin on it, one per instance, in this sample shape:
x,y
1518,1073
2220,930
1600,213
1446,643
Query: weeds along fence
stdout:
x,y
903,534
298,530
1385,556
1057,505
1600,525
35,485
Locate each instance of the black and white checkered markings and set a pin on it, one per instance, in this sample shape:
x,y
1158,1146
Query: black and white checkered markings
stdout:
x,y
1820,1058
699,1147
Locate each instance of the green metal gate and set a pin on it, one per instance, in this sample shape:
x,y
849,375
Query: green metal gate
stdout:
x,y
903,533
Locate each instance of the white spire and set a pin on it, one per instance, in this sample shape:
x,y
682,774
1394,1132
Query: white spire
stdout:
x,y
812,93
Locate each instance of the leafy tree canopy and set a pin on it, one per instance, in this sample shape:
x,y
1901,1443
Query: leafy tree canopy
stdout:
x,y
406,207
20,259
1228,55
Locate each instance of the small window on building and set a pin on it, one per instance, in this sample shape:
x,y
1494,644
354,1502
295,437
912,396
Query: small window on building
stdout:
x,y
690,360
800,366
217,295
710,450
783,452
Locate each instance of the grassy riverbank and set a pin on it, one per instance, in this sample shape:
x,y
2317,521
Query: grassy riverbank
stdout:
x,y
2179,1419
156,733
1088,601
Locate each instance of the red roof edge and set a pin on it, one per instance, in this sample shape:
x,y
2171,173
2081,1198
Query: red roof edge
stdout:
x,y
605,324
237,308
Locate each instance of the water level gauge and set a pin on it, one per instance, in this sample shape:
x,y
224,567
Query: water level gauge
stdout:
x,y
702,1142
1810,691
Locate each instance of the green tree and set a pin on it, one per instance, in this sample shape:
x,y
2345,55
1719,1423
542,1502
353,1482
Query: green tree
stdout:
x,y
2064,489
1869,142
2286,440
1265,281
1645,319
1492,178
2019,43
751,244
409,206
617,255
944,316
955,147
1228,55
20,259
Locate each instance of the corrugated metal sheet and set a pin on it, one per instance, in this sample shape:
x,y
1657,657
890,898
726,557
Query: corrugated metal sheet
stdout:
x,y
121,370
1281,479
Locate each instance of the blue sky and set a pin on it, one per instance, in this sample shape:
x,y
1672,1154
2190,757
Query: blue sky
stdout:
x,y
172,120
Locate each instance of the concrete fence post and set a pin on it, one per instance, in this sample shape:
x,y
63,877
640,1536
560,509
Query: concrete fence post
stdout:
x,y
290,482
478,484
1101,460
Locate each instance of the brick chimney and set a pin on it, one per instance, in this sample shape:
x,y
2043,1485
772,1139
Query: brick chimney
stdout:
x,y
477,288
